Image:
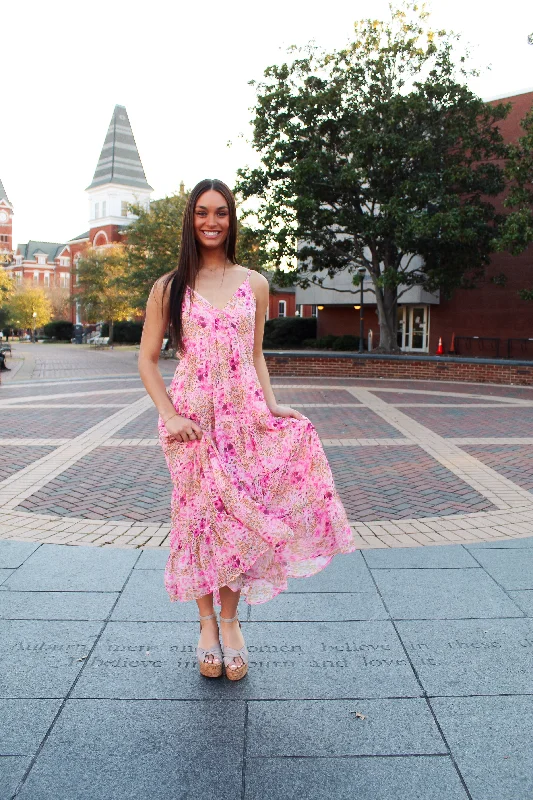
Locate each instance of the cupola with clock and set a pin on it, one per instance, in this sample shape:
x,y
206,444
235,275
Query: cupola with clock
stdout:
x,y
119,181
6,227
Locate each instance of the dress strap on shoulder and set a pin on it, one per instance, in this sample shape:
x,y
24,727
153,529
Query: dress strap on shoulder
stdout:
x,y
248,273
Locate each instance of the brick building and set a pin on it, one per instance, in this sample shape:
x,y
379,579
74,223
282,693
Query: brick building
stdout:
x,y
487,317
6,227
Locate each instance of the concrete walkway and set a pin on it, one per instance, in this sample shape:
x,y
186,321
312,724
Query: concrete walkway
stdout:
x,y
403,671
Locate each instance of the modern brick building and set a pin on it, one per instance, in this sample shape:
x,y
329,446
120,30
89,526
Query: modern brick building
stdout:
x,y
487,317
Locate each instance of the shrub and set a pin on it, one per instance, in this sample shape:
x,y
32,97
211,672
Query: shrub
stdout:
x,y
346,342
58,329
288,331
127,332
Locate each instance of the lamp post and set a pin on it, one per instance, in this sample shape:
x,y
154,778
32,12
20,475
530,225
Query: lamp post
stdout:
x,y
34,315
361,272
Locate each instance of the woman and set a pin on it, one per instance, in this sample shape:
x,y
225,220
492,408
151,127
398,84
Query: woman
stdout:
x,y
253,499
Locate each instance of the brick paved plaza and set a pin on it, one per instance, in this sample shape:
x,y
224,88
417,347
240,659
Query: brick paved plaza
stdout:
x,y
433,645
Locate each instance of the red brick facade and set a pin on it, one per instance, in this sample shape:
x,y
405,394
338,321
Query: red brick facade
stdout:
x,y
353,366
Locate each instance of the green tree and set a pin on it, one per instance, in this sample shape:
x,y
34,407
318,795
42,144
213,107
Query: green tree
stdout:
x,y
372,156
103,285
516,233
154,244
24,303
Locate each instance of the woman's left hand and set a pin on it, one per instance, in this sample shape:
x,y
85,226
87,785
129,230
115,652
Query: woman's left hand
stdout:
x,y
286,411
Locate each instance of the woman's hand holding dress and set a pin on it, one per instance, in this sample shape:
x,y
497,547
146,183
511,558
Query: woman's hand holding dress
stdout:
x,y
285,411
183,429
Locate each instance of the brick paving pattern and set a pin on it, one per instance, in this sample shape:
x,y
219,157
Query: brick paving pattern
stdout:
x,y
444,399
144,427
288,396
513,461
13,459
464,422
398,483
350,423
109,484
49,422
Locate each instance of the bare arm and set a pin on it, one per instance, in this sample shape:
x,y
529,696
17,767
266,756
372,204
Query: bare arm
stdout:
x,y
155,325
261,291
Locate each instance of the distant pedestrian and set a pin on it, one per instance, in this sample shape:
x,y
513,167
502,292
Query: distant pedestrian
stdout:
x,y
253,500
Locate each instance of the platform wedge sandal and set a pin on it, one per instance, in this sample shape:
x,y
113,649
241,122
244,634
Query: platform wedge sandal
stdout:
x,y
207,668
230,653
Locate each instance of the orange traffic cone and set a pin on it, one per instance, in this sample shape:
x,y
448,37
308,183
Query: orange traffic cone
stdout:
x,y
440,348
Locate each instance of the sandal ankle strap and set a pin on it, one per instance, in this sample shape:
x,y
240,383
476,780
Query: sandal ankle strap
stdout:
x,y
209,616
226,619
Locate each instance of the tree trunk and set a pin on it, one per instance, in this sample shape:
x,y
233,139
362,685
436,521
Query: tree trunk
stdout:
x,y
387,306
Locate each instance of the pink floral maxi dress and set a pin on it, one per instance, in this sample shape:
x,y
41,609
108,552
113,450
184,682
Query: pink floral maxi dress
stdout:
x,y
253,501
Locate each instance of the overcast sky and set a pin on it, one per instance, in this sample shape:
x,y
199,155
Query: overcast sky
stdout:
x,y
182,71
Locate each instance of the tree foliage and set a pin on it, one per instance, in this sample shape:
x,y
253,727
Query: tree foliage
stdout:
x,y
22,304
516,233
374,154
154,244
103,285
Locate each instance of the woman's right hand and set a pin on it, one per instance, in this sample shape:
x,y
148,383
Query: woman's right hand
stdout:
x,y
183,429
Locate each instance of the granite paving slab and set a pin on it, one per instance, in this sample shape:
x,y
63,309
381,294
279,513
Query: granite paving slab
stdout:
x,y
409,778
502,544
524,600
490,739
153,558
4,575
123,751
42,658
13,553
443,594
331,728
56,605
12,769
513,569
145,598
346,572
303,660
468,657
350,423
324,606
450,557
24,724
57,567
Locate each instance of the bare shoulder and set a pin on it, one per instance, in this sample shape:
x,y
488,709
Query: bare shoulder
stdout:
x,y
160,290
259,283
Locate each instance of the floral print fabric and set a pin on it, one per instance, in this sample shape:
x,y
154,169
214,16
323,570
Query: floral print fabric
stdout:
x,y
253,502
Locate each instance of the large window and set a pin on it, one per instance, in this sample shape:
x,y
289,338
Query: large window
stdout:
x,y
104,208
282,306
96,210
47,279
314,311
4,238
124,208
36,277
63,280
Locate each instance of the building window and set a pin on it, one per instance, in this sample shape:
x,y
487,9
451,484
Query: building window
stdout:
x,y
104,208
64,261
282,308
298,311
36,277
63,280
18,277
314,311
41,260
47,279
18,261
3,237
124,208
96,210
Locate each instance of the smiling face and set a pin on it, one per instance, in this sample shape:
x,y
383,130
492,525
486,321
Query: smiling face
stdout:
x,y
211,220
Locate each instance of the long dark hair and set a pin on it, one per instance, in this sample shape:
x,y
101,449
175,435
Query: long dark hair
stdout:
x,y
189,260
